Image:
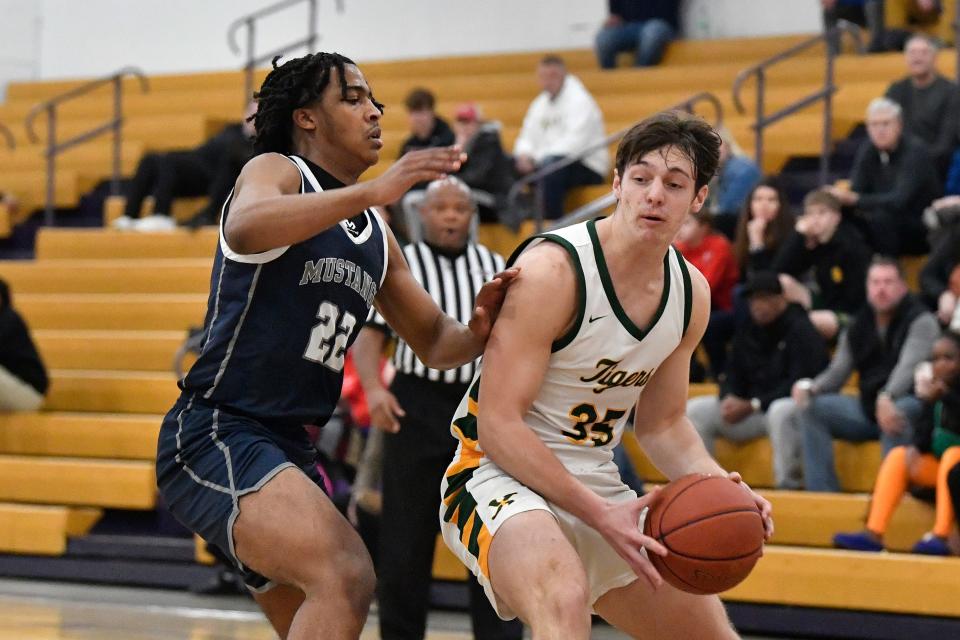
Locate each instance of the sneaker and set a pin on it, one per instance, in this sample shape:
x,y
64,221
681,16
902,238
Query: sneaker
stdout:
x,y
931,545
122,223
860,541
156,222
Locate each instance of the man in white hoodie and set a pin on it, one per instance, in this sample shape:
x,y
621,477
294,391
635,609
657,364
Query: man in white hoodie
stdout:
x,y
563,121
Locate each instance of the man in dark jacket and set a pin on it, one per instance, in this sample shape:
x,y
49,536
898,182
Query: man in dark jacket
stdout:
x,y
929,101
776,347
894,178
885,342
208,170
488,171
23,378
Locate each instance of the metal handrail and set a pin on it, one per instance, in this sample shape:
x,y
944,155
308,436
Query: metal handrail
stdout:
x,y
8,136
825,93
514,193
249,21
115,125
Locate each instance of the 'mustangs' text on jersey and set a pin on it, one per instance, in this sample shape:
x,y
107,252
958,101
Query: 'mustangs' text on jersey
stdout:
x,y
599,369
279,323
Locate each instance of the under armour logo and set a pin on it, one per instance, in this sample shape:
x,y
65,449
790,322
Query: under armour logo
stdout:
x,y
501,503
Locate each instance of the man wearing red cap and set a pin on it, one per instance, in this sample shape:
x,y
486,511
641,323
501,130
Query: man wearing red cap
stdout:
x,y
487,170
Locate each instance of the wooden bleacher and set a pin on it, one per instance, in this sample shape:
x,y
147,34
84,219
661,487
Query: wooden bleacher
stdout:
x,y
180,111
108,310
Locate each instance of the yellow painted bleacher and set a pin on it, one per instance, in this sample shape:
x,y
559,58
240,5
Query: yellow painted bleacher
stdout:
x,y
85,435
78,481
42,529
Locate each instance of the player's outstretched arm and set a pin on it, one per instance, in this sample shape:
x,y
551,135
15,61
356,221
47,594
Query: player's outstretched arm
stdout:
x,y
661,425
268,211
440,341
540,307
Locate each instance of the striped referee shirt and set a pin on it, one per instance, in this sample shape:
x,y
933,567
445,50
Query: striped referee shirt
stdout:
x,y
453,282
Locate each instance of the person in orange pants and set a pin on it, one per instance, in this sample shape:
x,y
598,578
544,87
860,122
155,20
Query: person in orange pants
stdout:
x,y
926,463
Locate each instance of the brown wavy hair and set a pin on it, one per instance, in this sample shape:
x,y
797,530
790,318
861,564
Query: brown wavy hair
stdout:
x,y
775,233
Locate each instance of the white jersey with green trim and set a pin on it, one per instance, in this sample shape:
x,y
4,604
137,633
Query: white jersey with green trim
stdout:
x,y
598,370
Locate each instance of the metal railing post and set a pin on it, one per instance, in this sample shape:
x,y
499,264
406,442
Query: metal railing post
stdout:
x,y
827,139
825,93
760,126
8,136
117,127
248,69
51,164
249,21
55,147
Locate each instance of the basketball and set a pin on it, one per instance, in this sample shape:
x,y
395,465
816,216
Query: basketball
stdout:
x,y
712,529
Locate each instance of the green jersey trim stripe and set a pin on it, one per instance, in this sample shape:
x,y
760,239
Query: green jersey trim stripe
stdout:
x,y
568,337
625,320
687,291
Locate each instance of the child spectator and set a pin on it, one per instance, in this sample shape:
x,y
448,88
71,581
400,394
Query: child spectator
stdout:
x,y
926,462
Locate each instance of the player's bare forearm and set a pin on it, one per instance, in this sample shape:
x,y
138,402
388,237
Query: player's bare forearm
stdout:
x,y
366,353
268,210
677,449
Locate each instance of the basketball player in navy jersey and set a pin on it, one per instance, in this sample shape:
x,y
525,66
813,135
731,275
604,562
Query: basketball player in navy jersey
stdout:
x,y
301,258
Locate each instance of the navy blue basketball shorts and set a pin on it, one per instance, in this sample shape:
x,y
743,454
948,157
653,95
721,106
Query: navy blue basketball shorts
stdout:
x,y
208,458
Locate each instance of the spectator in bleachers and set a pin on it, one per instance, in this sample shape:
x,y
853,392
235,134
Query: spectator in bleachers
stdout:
x,y
488,170
736,176
940,276
776,347
930,102
711,253
642,27
23,378
210,169
427,129
866,13
763,227
894,178
834,255
884,343
561,122
925,462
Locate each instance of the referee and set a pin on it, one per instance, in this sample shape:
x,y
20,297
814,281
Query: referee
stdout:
x,y
416,412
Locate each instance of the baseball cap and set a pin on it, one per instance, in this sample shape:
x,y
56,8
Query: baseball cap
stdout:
x,y
467,112
763,282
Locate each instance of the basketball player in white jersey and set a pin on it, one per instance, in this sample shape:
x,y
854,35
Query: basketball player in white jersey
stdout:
x,y
604,317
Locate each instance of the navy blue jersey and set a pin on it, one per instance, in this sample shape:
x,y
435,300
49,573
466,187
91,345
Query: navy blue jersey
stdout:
x,y
279,323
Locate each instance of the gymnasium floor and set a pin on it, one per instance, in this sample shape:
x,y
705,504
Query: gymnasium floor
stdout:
x,y
55,611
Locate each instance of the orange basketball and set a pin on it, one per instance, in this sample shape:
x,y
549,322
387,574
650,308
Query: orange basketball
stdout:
x,y
712,529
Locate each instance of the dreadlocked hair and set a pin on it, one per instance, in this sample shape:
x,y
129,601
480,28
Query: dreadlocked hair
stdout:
x,y
294,84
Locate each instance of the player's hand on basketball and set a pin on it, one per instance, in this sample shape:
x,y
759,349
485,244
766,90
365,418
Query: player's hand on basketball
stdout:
x,y
384,410
489,300
618,524
424,165
766,509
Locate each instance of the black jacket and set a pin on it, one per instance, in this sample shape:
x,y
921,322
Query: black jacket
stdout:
x,y
839,267
904,185
944,258
487,167
875,357
18,355
766,361
441,136
930,113
949,419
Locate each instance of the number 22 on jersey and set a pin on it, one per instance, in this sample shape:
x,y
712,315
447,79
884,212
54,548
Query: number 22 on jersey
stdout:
x,y
328,339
